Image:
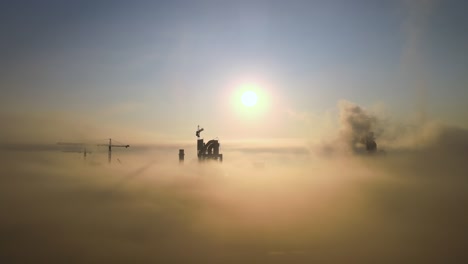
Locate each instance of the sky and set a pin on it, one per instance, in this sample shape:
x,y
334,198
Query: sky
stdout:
x,y
154,70
295,186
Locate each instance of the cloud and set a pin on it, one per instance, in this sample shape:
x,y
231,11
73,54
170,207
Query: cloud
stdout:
x,y
406,206
270,201
356,122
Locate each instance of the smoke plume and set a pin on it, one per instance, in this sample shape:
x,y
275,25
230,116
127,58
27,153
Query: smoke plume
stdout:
x,y
355,124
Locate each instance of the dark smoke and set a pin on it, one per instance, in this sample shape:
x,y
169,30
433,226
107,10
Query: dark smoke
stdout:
x,y
356,127
355,124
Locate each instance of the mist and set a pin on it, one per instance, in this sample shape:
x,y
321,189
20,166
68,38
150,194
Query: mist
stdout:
x,y
278,204
297,184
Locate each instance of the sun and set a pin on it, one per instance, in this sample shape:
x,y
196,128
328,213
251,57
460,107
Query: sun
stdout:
x,y
250,101
249,98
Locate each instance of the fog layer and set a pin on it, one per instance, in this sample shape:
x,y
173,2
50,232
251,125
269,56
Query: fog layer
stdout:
x,y
323,204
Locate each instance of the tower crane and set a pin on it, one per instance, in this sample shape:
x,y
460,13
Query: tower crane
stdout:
x,y
75,148
110,146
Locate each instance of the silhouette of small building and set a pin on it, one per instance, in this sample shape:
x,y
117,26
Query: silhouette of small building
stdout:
x,y
181,155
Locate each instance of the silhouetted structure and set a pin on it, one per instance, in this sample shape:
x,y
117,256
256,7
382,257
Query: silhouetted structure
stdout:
x,y
181,155
208,151
369,141
110,148
75,148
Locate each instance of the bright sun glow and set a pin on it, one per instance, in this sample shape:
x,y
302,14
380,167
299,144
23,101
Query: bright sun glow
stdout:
x,y
249,98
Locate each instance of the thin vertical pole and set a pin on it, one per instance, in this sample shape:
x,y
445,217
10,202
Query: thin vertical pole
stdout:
x,y
110,150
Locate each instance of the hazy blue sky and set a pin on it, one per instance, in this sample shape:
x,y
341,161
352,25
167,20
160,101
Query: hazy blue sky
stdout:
x,y
166,66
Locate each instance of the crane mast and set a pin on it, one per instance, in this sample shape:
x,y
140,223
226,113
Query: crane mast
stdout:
x,y
110,146
82,147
